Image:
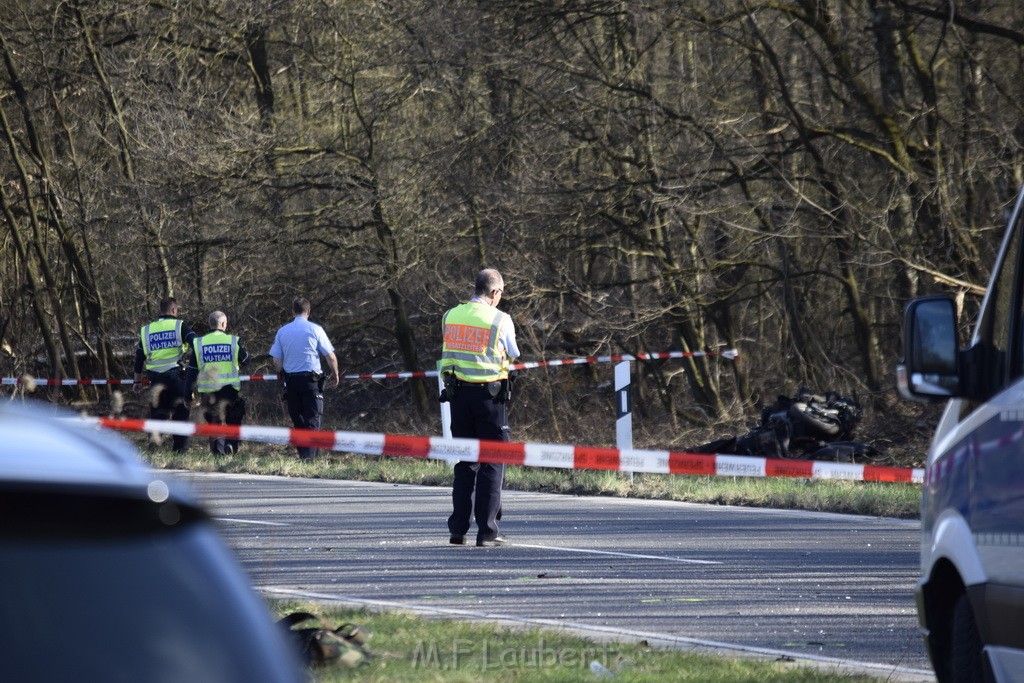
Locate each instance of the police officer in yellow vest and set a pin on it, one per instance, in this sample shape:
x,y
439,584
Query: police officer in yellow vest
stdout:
x,y
218,357
479,344
164,347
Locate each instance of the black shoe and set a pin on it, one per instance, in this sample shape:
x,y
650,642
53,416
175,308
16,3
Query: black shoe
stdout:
x,y
491,542
457,540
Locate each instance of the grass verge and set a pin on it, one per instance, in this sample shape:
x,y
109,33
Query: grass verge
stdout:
x,y
406,647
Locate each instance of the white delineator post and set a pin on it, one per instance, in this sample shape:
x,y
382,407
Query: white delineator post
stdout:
x,y
623,409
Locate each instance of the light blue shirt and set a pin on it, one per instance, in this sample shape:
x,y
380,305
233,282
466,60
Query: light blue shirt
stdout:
x,y
299,345
507,334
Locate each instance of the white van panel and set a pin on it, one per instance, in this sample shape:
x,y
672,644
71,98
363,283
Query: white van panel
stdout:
x,y
952,539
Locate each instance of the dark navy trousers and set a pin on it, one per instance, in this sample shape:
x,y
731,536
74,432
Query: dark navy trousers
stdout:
x,y
223,407
305,406
476,490
171,399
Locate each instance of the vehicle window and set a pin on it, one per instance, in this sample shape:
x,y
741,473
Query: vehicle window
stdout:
x,y
1000,327
126,601
1017,307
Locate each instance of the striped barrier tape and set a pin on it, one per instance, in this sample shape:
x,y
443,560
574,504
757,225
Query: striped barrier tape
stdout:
x,y
729,354
525,454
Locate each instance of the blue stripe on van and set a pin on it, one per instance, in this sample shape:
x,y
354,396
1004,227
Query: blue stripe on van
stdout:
x,y
982,477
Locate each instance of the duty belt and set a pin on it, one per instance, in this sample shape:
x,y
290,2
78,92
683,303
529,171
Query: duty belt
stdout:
x,y
177,369
306,374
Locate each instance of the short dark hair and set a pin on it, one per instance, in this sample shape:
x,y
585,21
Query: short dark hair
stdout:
x,y
167,304
300,306
488,280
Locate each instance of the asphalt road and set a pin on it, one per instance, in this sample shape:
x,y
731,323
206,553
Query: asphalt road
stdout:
x,y
813,586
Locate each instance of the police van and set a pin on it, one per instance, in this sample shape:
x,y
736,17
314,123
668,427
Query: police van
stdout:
x,y
970,596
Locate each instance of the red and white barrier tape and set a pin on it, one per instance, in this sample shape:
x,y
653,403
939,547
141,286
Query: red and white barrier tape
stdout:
x,y
729,354
525,454
30,381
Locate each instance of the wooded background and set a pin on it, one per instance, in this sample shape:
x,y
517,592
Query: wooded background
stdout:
x,y
775,176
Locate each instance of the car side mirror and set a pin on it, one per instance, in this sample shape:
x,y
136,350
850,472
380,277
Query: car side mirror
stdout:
x,y
931,353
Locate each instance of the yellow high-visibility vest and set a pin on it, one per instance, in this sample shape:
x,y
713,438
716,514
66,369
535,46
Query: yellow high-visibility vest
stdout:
x,y
217,360
472,346
162,344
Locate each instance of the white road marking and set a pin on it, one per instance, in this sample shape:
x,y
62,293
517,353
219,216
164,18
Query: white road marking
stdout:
x,y
235,520
611,552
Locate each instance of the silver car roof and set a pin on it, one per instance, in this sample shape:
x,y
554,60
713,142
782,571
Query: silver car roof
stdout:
x,y
45,444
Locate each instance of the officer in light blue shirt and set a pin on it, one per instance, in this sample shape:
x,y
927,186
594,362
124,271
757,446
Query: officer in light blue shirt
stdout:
x,y
296,352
